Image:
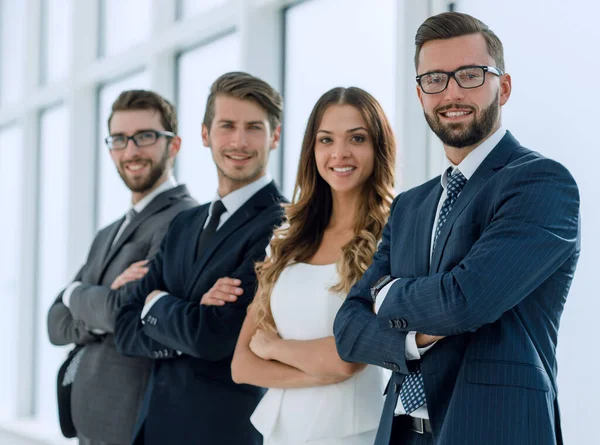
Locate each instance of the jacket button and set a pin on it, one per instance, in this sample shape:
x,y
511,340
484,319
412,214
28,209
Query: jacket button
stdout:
x,y
392,324
395,367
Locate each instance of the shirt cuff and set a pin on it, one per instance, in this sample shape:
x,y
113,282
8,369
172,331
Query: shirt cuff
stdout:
x,y
148,306
66,297
382,294
411,350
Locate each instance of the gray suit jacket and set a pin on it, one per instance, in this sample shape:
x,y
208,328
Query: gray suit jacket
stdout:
x,y
109,387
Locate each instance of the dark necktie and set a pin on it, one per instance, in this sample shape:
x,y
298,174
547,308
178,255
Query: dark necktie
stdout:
x,y
412,393
213,223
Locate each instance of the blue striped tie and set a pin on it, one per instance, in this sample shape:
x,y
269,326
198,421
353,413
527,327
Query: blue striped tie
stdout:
x,y
412,393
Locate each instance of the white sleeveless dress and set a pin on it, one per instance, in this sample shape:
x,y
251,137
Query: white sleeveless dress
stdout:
x,y
345,413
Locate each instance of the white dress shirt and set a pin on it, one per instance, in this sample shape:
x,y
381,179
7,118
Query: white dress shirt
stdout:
x,y
467,167
232,203
170,183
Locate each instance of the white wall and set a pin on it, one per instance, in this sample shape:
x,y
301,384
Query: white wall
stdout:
x,y
551,51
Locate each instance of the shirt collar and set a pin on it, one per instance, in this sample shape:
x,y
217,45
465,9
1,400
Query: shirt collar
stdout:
x,y
474,159
238,198
170,183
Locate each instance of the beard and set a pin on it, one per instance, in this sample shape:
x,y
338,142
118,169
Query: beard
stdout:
x,y
480,128
140,185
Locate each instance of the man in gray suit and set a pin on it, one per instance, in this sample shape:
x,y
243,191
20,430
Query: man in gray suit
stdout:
x,y
108,387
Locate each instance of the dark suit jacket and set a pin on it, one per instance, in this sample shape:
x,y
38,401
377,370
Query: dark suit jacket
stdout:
x,y
191,398
496,286
109,387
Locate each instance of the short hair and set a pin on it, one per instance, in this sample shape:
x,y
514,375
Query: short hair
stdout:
x,y
244,86
146,100
455,24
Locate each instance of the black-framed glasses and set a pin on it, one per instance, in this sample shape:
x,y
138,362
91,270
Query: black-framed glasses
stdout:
x,y
466,77
141,139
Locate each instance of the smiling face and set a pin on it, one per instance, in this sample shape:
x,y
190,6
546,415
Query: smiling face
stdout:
x,y
462,118
344,151
240,139
142,168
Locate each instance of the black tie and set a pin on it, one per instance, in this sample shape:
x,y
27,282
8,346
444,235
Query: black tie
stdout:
x,y
213,223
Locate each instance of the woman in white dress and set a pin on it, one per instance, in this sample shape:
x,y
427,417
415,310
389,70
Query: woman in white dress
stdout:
x,y
342,198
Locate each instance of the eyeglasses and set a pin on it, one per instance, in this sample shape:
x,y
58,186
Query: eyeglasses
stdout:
x,y
466,77
140,139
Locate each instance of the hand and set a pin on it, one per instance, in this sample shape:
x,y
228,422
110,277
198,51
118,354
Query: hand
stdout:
x,y
262,344
134,272
152,295
424,340
225,290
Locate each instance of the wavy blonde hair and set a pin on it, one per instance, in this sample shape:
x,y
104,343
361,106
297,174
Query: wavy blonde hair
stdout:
x,y
307,217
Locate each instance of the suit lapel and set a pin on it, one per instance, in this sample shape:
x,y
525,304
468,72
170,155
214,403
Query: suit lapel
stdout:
x,y
494,161
104,243
257,203
110,238
160,202
425,219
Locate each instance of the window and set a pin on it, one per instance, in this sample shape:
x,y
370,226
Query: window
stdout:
x,y
125,23
114,198
190,8
56,39
52,253
12,46
349,46
198,69
11,166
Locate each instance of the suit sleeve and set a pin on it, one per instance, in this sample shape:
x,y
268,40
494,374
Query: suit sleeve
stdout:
x,y
63,328
207,332
130,338
357,335
533,232
97,306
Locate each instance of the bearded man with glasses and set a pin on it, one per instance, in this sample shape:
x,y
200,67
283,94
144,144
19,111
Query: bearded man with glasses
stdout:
x,y
107,387
464,296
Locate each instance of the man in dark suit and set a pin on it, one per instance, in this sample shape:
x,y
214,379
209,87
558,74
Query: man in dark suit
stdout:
x,y
483,255
108,387
191,398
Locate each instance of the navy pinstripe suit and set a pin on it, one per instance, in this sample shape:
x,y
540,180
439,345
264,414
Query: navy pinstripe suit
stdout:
x,y
496,287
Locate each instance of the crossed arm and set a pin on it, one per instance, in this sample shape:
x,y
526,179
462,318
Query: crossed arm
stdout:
x,y
263,359
97,306
91,308
174,324
534,230
130,337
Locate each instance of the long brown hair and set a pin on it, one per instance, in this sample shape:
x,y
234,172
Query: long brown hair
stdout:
x,y
309,214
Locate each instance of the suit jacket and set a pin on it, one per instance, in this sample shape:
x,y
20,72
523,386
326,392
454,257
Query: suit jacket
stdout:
x,y
109,387
191,398
496,286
